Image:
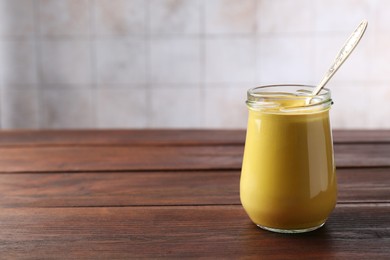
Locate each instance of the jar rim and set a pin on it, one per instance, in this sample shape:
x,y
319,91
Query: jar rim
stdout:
x,y
273,98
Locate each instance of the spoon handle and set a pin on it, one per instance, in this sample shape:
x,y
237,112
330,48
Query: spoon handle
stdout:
x,y
344,53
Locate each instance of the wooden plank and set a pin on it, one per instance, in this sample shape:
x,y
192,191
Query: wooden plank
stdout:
x,y
362,155
119,189
145,137
183,232
159,137
361,136
103,158
363,185
164,188
136,158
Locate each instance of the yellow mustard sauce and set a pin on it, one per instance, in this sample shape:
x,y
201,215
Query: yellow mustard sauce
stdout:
x,y
288,179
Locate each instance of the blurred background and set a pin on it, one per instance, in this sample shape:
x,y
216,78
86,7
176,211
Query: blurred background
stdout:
x,y
184,63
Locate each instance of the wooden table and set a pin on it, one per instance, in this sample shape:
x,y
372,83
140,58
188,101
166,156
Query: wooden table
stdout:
x,y
173,194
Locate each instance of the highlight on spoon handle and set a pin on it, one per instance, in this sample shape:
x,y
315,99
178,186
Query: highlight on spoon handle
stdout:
x,y
344,53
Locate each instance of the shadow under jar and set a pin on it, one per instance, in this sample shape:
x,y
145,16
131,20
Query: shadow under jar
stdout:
x,y
288,180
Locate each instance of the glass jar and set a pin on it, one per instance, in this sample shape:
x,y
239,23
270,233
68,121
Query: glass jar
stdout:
x,y
288,180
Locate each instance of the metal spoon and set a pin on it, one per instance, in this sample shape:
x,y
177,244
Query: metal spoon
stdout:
x,y
344,53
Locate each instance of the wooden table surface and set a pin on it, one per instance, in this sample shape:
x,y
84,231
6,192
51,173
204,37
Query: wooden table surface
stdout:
x,y
173,194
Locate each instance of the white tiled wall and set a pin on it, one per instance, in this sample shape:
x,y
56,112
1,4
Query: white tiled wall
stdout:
x,y
183,63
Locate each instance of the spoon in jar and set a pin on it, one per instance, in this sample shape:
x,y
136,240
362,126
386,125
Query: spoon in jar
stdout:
x,y
344,53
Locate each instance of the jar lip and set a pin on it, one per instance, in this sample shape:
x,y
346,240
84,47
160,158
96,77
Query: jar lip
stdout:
x,y
288,98
325,93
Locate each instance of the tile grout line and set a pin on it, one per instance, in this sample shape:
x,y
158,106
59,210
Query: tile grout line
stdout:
x,y
314,38
202,46
2,85
147,85
93,61
38,62
257,42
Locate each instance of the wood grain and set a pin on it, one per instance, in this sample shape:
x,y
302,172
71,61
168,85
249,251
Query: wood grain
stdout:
x,y
164,188
135,158
120,194
183,232
144,137
362,155
112,158
361,136
159,137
